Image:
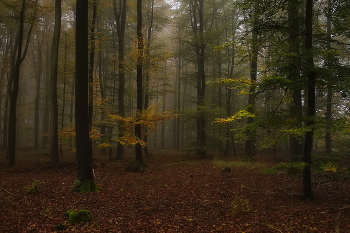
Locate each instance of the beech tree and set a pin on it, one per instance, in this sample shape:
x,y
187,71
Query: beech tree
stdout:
x,y
139,80
18,56
54,153
311,109
82,124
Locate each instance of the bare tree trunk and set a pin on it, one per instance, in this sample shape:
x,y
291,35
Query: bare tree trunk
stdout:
x,y
54,153
37,97
120,16
83,141
92,62
295,148
139,80
147,73
328,138
311,110
250,147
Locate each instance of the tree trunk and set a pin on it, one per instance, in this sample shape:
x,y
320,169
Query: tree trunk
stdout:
x,y
19,54
295,148
38,97
250,147
120,16
54,153
139,80
82,124
148,73
92,62
199,45
311,75
328,138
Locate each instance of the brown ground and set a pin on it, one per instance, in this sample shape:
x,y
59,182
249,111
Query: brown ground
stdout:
x,y
172,194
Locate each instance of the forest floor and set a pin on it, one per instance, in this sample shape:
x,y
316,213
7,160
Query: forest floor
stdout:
x,y
173,193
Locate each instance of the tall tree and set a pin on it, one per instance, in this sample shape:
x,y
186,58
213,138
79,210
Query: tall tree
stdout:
x,y
148,64
19,54
328,137
139,81
54,153
92,61
294,73
250,147
120,17
311,109
82,124
197,23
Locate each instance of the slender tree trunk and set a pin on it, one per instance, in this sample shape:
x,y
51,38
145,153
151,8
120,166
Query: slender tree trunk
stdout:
x,y
54,153
295,148
92,62
250,147
311,75
120,16
139,80
197,24
46,113
65,71
148,72
38,97
328,137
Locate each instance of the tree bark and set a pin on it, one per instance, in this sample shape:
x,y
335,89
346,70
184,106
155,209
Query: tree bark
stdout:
x,y
295,148
197,24
92,62
54,153
328,138
120,16
139,80
250,147
82,124
311,76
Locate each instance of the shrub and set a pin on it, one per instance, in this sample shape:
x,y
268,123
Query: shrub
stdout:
x,y
34,188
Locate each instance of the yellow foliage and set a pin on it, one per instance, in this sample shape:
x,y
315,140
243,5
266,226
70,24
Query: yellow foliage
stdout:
x,y
239,115
148,118
329,168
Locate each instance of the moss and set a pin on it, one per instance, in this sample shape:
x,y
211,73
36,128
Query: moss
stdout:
x,y
85,186
79,216
84,215
72,216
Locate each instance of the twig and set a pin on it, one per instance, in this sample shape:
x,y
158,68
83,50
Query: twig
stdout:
x,y
9,192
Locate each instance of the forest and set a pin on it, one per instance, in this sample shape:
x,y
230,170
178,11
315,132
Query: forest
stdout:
x,y
174,115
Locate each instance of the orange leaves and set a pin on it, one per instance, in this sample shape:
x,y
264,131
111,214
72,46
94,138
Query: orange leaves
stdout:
x,y
148,118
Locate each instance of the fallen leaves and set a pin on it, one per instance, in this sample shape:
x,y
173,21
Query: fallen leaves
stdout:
x,y
188,197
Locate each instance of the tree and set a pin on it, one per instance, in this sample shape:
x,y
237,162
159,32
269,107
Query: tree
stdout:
x,y
197,23
311,109
250,147
294,74
120,17
92,61
19,54
54,153
139,80
82,124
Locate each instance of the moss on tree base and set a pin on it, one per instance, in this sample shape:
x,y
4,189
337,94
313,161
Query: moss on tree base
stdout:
x,y
85,186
